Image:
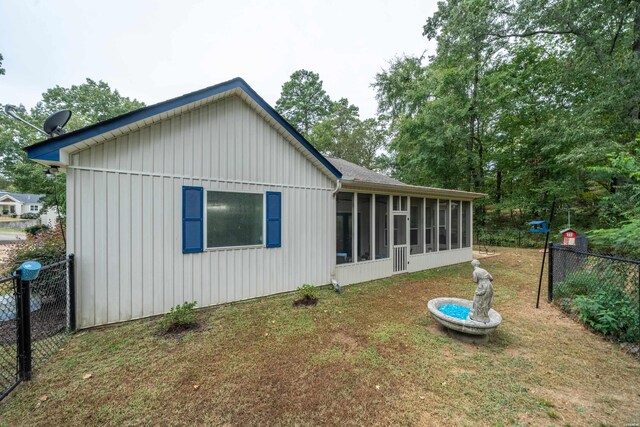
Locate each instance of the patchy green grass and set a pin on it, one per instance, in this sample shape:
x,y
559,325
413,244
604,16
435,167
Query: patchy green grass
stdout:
x,y
370,356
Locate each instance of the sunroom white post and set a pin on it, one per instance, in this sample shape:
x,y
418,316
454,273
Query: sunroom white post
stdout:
x,y
449,225
407,225
460,207
471,224
390,225
373,227
424,225
354,232
436,244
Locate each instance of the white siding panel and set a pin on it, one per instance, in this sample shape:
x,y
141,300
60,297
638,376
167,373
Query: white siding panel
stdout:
x,y
439,259
348,274
125,246
100,248
126,215
147,247
136,284
113,247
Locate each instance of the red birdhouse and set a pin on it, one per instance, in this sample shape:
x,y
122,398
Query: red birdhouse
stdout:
x,y
569,237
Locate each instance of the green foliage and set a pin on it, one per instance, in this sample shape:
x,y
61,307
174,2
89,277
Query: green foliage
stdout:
x,y
46,247
303,101
180,316
36,229
2,70
600,300
611,313
345,136
623,240
29,215
576,284
307,292
508,237
524,101
90,102
334,128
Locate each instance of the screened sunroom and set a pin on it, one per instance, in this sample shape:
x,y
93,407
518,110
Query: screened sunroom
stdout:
x,y
385,227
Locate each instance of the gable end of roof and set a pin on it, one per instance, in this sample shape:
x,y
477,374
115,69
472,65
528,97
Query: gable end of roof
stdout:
x,y
49,150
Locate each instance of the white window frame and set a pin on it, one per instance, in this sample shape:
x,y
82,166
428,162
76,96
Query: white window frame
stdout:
x,y
205,220
31,208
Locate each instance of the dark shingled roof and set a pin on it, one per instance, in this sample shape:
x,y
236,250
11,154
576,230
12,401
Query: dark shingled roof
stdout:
x,y
359,173
23,198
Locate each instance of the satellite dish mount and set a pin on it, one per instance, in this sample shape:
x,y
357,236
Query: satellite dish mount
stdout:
x,y
53,126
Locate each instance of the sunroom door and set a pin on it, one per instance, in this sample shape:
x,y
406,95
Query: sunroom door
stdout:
x,y
400,244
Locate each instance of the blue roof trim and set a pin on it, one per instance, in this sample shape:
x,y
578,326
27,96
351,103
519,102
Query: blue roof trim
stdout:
x,y
49,150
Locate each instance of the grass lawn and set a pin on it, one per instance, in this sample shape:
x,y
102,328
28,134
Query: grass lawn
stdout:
x,y
371,356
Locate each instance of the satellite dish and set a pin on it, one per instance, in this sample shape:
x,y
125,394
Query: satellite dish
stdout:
x,y
54,125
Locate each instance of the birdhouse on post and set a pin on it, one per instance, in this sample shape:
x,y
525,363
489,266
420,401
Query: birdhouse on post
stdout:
x,y
539,226
568,237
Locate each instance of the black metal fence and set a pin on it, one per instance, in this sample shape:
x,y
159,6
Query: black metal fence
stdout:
x,y
35,317
603,291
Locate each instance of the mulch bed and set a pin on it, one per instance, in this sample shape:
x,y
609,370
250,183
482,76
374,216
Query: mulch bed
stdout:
x,y
45,322
306,301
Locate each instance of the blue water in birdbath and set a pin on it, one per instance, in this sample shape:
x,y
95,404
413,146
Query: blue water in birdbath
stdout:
x,y
455,310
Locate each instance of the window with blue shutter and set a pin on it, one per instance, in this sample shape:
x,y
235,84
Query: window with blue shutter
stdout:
x,y
274,219
192,221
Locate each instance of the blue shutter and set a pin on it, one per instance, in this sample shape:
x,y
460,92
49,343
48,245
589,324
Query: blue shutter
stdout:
x,y
192,221
274,219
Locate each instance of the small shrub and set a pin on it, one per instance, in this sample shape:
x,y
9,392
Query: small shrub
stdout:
x,y
35,229
181,317
610,312
306,295
29,215
46,247
575,284
307,291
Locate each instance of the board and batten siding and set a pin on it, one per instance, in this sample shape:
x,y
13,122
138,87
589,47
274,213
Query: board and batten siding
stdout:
x,y
125,211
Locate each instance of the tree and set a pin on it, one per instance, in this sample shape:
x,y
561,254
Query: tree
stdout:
x,y
2,70
524,100
303,101
90,102
345,136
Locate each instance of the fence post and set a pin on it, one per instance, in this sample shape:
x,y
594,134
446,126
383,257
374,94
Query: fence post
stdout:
x,y
550,274
23,306
71,270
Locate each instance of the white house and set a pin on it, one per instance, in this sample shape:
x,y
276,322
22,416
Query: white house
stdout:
x,y
214,197
16,204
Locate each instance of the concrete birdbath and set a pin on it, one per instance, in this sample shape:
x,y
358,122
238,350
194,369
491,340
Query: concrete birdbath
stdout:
x,y
469,321
464,329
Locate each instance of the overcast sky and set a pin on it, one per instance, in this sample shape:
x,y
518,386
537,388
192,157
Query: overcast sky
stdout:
x,y
156,50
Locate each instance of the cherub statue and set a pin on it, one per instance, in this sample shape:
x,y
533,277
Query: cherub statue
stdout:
x,y
483,295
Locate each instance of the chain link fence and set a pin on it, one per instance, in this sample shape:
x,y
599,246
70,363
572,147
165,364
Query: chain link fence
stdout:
x,y
35,318
9,372
602,291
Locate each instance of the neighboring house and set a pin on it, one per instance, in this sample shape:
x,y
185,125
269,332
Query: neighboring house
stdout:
x,y
16,204
214,197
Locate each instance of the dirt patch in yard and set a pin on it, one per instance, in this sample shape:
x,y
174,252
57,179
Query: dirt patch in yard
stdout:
x,y
369,356
305,301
